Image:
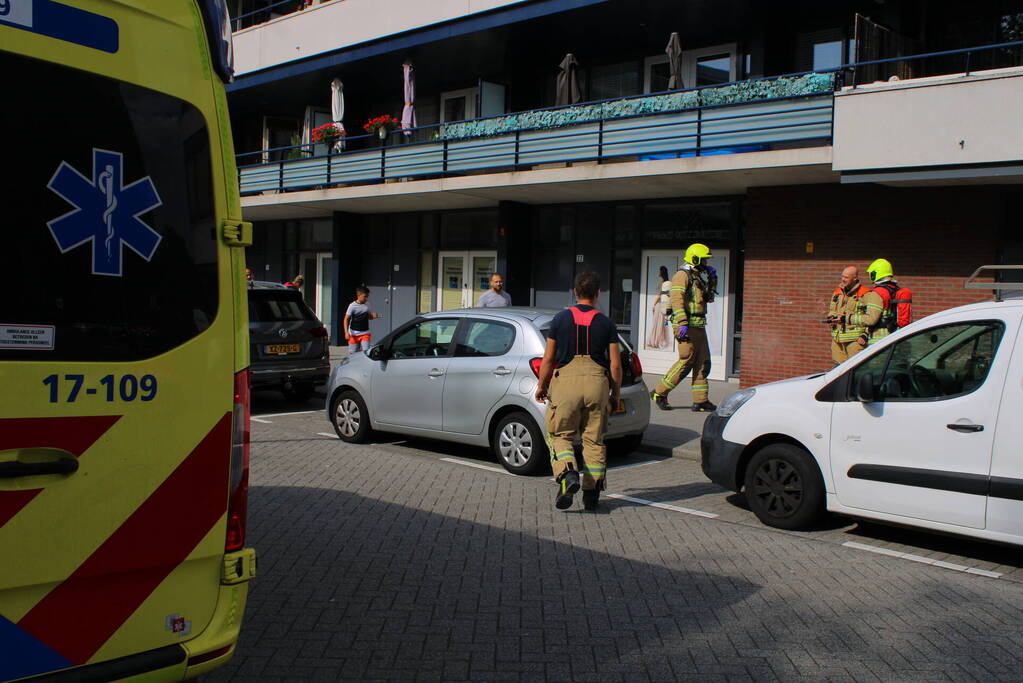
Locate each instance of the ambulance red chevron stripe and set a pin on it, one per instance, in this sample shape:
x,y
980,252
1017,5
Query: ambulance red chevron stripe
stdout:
x,y
118,577
72,434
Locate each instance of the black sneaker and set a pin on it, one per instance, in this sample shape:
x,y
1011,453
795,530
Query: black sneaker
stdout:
x,y
660,401
591,497
704,407
568,484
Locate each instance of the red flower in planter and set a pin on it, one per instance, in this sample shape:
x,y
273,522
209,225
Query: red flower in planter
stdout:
x,y
386,121
327,134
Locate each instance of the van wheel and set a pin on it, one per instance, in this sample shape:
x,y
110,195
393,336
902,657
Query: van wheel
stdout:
x,y
784,487
349,416
518,443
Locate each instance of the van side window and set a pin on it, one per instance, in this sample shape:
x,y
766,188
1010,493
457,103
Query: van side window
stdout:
x,y
938,363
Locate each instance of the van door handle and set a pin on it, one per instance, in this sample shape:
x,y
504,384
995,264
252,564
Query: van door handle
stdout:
x,y
10,470
966,428
435,373
501,370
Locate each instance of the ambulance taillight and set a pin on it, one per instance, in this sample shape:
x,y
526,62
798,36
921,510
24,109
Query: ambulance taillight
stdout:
x,y
238,502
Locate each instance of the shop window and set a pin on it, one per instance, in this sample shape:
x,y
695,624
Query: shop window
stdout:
x,y
469,230
426,281
671,225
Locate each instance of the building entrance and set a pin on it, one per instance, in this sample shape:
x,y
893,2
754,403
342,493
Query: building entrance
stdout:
x,y
462,276
655,342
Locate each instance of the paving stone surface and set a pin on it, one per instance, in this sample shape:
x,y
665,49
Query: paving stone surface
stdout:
x,y
387,562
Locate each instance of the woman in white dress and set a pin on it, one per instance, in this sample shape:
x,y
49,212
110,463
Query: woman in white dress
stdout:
x,y
658,337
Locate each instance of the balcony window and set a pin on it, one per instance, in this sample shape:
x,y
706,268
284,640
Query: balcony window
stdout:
x,y
703,66
821,50
614,81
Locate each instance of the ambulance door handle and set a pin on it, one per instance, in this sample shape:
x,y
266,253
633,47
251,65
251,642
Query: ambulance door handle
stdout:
x,y
12,469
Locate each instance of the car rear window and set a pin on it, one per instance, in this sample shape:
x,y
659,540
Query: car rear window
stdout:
x,y
277,306
110,233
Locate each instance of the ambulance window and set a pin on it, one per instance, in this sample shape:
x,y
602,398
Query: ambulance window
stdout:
x,y
110,234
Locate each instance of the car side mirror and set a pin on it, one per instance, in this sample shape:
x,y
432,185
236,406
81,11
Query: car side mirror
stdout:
x,y
378,352
865,388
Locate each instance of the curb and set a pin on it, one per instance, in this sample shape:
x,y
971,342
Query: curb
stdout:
x,y
689,450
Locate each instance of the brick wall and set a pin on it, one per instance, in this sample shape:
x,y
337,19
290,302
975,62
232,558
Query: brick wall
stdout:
x,y
934,237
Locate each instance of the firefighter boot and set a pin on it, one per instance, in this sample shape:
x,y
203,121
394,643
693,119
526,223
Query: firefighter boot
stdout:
x,y
660,401
704,407
568,484
591,497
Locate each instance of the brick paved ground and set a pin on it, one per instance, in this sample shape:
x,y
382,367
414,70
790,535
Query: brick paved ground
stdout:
x,y
386,562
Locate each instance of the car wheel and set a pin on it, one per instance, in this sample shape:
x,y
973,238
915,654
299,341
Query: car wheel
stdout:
x,y
298,392
518,444
349,416
623,445
784,487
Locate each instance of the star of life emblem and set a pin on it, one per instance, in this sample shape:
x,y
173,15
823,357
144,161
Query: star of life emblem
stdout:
x,y
106,212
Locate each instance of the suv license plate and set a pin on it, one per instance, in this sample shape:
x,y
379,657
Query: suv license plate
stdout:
x,y
620,409
283,348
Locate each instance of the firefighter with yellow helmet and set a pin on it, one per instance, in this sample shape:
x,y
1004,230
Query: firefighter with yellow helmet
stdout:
x,y
877,313
692,288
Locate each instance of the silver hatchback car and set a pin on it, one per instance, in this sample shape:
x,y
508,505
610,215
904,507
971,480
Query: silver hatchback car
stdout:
x,y
469,376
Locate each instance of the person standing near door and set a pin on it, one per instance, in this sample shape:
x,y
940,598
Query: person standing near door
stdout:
x,y
580,378
692,288
495,297
356,321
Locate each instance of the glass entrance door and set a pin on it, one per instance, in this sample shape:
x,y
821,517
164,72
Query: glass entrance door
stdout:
x,y
462,277
655,342
325,290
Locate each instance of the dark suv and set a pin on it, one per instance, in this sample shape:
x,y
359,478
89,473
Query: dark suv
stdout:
x,y
288,342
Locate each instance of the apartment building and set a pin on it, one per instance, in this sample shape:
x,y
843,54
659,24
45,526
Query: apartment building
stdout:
x,y
793,137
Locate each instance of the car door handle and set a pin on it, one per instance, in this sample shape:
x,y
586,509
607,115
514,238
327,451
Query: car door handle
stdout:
x,y
965,427
501,370
435,373
10,470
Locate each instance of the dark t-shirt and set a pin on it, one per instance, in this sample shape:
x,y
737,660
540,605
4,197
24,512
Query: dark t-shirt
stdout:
x,y
564,332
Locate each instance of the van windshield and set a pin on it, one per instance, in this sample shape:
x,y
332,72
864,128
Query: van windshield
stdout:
x,y
110,248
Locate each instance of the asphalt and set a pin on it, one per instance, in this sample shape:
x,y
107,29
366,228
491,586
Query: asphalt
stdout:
x,y
672,433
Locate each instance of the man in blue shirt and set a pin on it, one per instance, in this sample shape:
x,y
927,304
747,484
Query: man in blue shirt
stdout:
x,y
580,378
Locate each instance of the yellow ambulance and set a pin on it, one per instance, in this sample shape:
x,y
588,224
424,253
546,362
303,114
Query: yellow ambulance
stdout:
x,y
124,396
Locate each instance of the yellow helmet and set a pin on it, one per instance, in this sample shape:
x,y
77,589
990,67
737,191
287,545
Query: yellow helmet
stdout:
x,y
879,270
697,254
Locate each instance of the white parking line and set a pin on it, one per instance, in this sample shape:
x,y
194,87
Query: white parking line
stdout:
x,y
922,560
297,412
499,470
256,419
638,464
333,436
662,506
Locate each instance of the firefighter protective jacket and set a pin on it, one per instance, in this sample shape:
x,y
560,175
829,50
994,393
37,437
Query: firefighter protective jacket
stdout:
x,y
688,296
845,304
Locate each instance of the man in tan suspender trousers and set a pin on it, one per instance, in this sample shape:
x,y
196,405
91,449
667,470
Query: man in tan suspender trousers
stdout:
x,y
580,378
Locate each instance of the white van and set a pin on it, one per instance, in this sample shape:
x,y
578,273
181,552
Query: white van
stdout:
x,y
924,428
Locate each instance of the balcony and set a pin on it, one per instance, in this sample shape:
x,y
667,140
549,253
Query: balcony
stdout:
x,y
745,116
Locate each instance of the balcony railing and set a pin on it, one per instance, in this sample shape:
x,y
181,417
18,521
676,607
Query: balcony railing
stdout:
x,y
592,132
268,13
762,114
